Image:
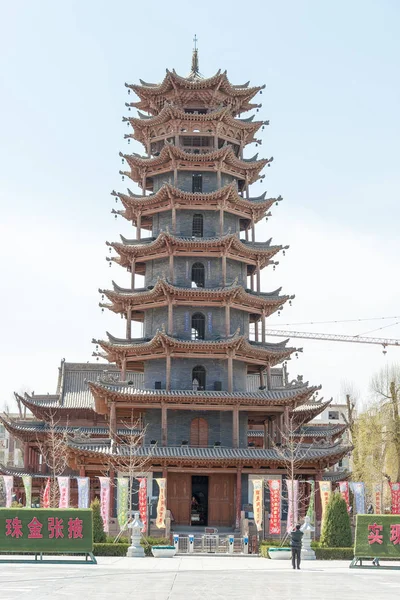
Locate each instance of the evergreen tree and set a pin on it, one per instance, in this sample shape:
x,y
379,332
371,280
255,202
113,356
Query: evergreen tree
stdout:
x,y
99,537
336,530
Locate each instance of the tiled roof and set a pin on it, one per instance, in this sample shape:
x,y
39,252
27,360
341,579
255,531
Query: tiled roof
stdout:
x,y
41,426
306,452
306,431
18,472
336,475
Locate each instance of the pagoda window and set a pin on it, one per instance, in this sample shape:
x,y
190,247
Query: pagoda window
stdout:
x,y
199,433
199,378
198,326
198,275
197,183
197,225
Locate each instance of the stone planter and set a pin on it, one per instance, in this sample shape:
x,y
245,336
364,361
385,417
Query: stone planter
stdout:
x,y
280,553
163,551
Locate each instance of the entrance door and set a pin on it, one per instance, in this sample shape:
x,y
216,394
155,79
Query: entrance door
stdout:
x,y
221,508
179,488
199,501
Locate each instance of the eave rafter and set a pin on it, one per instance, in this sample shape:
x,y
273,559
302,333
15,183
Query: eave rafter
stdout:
x,y
172,157
230,245
168,196
136,351
164,292
213,91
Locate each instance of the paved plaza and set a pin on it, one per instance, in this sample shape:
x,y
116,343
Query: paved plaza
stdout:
x,y
195,578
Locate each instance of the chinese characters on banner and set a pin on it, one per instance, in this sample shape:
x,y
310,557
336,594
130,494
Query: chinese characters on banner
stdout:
x,y
143,502
344,492
378,499
8,484
46,495
83,491
258,502
122,500
161,508
293,501
52,528
63,486
325,489
27,480
358,490
395,490
105,501
275,506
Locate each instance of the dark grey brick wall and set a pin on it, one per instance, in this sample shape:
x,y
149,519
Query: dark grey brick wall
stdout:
x,y
184,221
183,270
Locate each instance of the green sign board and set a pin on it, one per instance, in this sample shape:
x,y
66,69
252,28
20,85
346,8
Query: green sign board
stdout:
x,y
46,530
378,535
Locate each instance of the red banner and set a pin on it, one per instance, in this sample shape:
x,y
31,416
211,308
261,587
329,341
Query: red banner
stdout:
x,y
378,499
344,492
395,489
275,506
143,502
46,495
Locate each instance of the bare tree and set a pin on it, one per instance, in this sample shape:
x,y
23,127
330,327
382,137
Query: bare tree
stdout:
x,y
54,451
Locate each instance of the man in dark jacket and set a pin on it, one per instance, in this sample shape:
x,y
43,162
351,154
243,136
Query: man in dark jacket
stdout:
x,y
295,544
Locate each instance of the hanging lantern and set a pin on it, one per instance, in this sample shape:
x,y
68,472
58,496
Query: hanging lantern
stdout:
x,y
279,313
102,296
110,264
115,216
129,140
123,178
109,250
123,161
290,303
102,310
284,253
297,355
129,91
274,267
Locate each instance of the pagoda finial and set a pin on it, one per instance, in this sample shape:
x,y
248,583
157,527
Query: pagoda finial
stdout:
x,y
194,72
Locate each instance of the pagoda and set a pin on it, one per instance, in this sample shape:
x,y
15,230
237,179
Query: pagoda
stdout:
x,y
211,391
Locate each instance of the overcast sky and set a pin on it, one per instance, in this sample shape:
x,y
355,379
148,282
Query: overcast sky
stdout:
x,y
332,97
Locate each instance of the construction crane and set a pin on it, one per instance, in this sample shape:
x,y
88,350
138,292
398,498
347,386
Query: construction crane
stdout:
x,y
332,337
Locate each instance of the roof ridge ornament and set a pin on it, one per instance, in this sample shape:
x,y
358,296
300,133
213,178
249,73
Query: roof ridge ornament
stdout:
x,y
194,71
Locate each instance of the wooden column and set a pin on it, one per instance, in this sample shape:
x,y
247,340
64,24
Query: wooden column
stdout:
x,y
247,187
170,316
173,219
273,430
262,381
266,441
113,420
133,268
252,282
256,331
246,234
269,379
235,427
168,371
318,504
219,179
175,176
129,323
286,421
82,472
230,372
123,370
224,269
144,184
171,267
253,232
227,319
238,496
138,225
258,276
221,221
263,326
163,424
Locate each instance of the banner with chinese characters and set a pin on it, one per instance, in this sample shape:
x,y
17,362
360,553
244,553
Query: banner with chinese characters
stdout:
x,y
395,490
258,485
378,535
63,486
83,492
105,501
46,495
358,489
27,481
311,505
122,500
275,506
377,498
41,530
143,502
344,492
325,490
8,484
293,503
161,506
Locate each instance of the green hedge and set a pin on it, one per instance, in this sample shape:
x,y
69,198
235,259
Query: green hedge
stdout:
x,y
121,548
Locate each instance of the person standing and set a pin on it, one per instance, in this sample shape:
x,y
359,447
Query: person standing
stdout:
x,y
295,544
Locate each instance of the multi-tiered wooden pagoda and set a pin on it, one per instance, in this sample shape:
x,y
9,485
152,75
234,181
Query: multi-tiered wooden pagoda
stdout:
x,y
208,387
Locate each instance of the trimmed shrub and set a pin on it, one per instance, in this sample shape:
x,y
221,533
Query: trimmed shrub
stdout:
x,y
99,537
334,553
336,529
110,549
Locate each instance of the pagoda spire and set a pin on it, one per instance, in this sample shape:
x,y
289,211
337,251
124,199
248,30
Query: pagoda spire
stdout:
x,y
194,72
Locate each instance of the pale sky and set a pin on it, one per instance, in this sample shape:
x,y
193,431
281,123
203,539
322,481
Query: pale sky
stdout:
x,y
332,97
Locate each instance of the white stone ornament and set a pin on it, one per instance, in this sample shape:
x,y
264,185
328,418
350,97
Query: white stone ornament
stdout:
x,y
135,550
307,553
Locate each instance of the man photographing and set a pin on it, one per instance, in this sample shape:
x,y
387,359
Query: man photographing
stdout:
x,y
295,544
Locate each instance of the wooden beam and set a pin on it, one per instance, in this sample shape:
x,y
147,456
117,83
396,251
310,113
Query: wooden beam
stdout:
x,y
221,220
235,427
263,326
129,323
164,424
230,373
238,496
258,276
168,371
170,316
171,267
224,269
173,219
227,319
133,267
